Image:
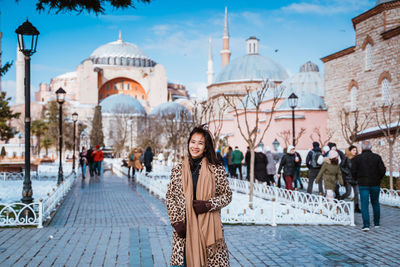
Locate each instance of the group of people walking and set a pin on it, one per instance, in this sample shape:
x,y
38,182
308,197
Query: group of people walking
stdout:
x,y
91,158
136,160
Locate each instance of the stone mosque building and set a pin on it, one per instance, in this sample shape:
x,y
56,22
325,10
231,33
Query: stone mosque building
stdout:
x,y
367,74
249,71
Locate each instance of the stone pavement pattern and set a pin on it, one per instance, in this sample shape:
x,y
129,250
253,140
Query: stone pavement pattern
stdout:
x,y
109,221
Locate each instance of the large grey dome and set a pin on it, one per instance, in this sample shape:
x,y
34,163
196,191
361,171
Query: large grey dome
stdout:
x,y
252,67
378,2
121,53
170,109
306,101
121,103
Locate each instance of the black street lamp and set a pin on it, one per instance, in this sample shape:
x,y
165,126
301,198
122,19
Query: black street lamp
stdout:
x,y
27,41
293,104
75,119
60,99
276,144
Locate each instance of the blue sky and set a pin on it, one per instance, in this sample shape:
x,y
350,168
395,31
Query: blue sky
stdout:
x,y
175,34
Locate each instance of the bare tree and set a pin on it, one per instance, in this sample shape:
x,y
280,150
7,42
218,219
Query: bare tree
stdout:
x,y
213,112
150,134
286,135
176,127
387,117
250,107
351,123
120,127
316,136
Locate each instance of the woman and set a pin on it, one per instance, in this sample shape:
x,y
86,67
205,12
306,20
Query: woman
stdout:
x,y
297,179
260,165
83,161
288,164
332,174
131,163
137,162
349,181
271,167
196,193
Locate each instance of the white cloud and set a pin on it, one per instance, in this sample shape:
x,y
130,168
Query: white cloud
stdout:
x,y
197,90
161,29
41,67
327,7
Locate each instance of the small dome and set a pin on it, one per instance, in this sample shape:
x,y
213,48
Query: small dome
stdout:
x,y
121,53
378,2
252,67
121,103
306,101
170,108
309,79
309,67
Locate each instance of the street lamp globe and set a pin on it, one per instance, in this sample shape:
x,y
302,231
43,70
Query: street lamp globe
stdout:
x,y
74,117
60,93
27,38
276,144
293,99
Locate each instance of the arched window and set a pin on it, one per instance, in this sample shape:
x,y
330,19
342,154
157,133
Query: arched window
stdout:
x,y
386,97
353,97
368,59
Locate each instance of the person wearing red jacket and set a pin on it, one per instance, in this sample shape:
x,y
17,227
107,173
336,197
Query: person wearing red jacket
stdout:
x,y
98,157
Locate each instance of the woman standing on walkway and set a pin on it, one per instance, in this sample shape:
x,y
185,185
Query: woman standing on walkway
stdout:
x,y
137,160
131,163
196,193
349,181
83,161
331,173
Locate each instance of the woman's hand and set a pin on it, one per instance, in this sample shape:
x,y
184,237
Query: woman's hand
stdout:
x,y
180,228
201,206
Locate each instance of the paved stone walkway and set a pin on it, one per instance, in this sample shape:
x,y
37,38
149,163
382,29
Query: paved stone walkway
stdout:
x,y
109,221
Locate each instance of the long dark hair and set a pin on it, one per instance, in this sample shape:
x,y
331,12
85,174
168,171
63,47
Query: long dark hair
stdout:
x,y
209,152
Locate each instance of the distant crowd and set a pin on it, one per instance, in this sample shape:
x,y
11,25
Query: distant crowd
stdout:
x,y
328,167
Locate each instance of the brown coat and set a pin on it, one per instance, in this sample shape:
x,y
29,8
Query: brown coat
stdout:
x,y
131,163
137,164
176,209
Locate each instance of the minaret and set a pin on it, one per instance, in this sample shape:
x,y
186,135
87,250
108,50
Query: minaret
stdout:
x,y
225,52
210,70
20,80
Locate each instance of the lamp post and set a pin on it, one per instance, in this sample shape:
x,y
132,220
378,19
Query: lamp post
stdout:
x,y
60,99
27,42
293,104
276,144
74,118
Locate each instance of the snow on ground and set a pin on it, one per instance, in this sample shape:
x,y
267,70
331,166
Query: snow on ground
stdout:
x,y
11,191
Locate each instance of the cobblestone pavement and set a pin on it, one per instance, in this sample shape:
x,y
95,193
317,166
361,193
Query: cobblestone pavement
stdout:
x,y
109,221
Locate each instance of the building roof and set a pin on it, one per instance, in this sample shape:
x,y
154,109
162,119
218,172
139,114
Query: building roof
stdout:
x,y
252,67
121,103
121,53
170,108
309,79
306,101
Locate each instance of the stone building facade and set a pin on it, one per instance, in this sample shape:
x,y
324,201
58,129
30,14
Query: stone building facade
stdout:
x,y
366,75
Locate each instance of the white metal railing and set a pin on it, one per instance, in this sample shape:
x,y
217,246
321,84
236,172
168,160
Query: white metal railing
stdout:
x,y
272,205
20,214
387,196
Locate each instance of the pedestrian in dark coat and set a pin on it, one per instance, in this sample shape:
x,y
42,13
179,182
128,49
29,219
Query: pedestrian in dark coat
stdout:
x,y
349,181
297,178
288,164
260,165
314,166
271,167
90,159
368,170
148,159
